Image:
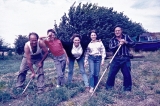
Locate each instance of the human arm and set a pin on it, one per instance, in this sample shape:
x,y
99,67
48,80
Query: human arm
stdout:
x,y
67,60
127,41
28,57
63,44
43,38
44,51
113,45
103,53
86,56
130,42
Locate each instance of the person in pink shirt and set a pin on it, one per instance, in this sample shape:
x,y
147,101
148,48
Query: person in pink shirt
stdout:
x,y
59,55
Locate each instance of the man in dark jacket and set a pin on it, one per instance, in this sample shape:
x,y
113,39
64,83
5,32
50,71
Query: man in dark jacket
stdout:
x,y
121,60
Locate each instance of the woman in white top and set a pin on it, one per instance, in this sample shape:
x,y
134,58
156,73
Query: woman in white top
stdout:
x,y
75,51
94,56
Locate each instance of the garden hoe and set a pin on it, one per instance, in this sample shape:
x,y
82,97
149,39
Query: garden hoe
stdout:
x,y
29,82
105,70
27,85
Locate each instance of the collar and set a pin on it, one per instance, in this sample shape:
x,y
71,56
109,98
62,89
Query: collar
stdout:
x,y
77,47
95,41
123,36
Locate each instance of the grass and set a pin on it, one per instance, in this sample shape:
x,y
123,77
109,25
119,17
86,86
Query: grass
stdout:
x,y
145,91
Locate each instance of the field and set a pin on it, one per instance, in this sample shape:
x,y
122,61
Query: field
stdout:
x,y
145,91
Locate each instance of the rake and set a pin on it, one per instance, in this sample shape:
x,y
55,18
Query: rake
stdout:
x,y
106,70
29,82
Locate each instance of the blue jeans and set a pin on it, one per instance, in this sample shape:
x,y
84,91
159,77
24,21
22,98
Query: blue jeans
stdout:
x,y
81,68
94,69
124,64
60,64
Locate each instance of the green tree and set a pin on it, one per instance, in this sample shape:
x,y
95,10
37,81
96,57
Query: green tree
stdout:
x,y
1,43
19,43
85,17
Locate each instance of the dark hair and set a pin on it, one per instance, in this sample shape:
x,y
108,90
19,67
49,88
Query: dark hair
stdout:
x,y
51,30
75,35
92,31
118,25
33,33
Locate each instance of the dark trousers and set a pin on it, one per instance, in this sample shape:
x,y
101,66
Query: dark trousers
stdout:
x,y
124,64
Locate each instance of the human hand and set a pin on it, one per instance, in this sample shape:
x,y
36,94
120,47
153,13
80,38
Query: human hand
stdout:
x,y
85,64
33,75
67,61
40,64
102,62
122,41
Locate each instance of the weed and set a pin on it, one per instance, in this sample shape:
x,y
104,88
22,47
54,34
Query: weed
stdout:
x,y
142,95
145,73
4,97
157,91
2,84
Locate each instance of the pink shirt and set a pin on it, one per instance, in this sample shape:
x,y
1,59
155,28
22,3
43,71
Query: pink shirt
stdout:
x,y
55,47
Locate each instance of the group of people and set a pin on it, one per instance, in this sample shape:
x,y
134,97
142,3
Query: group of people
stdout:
x,y
92,54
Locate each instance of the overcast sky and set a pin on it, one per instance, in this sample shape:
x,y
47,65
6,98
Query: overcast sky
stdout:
x,y
20,17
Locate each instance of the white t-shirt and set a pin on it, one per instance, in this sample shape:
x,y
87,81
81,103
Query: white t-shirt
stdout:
x,y
39,50
77,51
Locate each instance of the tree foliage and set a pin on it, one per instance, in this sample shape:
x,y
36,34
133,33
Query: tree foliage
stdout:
x,y
1,43
19,43
85,17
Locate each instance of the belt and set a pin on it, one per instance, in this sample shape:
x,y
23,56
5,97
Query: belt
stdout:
x,y
95,55
121,56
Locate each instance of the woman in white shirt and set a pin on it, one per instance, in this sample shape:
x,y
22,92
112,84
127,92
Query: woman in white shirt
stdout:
x,y
75,52
95,56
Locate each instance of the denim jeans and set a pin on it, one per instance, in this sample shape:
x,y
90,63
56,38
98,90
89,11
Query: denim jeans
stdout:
x,y
81,68
124,64
94,69
60,64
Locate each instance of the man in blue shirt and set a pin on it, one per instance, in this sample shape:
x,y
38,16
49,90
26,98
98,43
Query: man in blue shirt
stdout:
x,y
121,60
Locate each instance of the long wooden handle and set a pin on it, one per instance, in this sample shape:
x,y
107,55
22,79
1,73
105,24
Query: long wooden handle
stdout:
x,y
106,70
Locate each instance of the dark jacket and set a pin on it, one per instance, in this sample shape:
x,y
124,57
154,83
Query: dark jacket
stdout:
x,y
68,48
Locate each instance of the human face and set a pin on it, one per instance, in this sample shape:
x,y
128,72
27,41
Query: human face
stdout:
x,y
93,36
76,41
118,31
51,35
33,40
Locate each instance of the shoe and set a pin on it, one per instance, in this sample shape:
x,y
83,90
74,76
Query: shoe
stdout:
x,y
127,88
87,89
91,90
57,86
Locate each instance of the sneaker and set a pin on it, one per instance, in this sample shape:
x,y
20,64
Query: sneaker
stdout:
x,y
127,88
91,90
57,86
